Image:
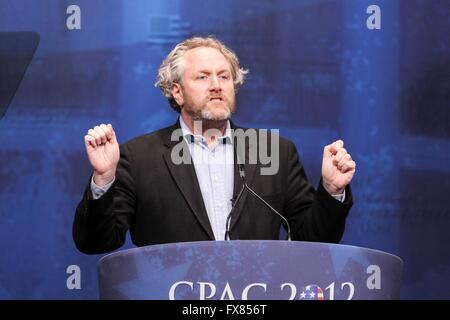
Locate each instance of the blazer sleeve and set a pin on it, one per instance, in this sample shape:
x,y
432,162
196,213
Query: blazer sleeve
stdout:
x,y
100,225
313,215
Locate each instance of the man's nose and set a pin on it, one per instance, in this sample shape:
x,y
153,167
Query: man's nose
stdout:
x,y
215,84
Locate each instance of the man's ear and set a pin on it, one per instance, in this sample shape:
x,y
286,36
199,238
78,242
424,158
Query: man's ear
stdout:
x,y
177,94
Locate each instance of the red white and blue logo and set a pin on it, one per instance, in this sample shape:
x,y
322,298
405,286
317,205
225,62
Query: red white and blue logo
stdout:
x,y
311,292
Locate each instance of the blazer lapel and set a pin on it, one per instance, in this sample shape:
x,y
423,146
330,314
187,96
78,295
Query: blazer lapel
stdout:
x,y
186,180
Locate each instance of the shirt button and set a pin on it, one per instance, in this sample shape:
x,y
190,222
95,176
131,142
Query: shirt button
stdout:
x,y
219,205
215,178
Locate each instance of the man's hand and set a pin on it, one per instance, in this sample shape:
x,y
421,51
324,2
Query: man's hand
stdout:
x,y
103,153
338,168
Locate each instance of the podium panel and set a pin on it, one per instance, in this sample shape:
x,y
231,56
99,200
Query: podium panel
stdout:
x,y
250,270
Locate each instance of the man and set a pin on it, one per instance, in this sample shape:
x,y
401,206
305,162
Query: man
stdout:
x,y
142,185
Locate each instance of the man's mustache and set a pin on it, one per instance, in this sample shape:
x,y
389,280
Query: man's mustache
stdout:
x,y
221,97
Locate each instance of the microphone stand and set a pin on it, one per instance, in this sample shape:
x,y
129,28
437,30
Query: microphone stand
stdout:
x,y
245,186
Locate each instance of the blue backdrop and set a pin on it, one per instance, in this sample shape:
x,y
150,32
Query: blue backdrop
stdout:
x,y
317,72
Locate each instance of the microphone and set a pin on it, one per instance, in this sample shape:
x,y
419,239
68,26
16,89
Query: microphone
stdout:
x,y
234,202
246,186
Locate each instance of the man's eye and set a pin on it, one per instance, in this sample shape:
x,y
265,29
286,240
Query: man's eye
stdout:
x,y
201,77
225,77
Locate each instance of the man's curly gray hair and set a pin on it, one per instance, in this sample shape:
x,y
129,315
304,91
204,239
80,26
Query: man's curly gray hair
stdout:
x,y
171,68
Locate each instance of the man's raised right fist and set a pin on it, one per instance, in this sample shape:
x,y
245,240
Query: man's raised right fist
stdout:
x,y
103,153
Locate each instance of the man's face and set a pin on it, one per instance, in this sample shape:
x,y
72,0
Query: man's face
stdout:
x,y
206,91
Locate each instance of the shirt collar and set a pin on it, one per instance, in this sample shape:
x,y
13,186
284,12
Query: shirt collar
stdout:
x,y
190,137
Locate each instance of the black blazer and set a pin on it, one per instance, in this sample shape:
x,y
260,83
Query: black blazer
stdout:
x,y
161,202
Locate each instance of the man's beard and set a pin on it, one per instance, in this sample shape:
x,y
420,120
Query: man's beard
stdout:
x,y
204,114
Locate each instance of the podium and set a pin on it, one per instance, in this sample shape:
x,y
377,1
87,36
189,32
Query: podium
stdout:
x,y
249,270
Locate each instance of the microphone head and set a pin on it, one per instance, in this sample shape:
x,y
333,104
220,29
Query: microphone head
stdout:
x,y
241,170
